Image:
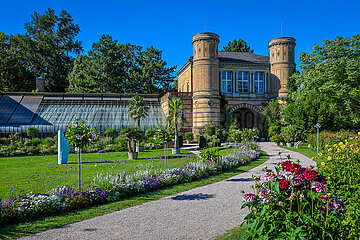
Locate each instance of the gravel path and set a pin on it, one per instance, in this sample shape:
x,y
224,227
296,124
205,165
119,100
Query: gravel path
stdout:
x,y
200,213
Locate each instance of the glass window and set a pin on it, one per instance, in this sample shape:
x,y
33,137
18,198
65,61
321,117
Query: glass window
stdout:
x,y
226,82
243,82
259,82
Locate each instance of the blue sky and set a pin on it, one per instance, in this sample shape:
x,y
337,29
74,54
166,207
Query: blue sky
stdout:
x,y
169,25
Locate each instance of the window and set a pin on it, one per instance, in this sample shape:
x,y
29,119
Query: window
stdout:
x,y
226,80
243,82
259,82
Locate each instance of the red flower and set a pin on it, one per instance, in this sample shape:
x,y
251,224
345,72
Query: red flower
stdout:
x,y
284,184
287,165
295,168
310,174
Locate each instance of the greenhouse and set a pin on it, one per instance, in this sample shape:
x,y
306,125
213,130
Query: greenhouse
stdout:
x,y
50,112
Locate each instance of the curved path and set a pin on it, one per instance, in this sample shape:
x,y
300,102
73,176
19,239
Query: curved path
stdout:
x,y
200,213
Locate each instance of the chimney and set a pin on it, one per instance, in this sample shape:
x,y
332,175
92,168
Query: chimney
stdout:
x,y
40,84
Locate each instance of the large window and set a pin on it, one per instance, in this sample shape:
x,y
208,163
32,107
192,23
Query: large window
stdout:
x,y
259,82
226,81
243,82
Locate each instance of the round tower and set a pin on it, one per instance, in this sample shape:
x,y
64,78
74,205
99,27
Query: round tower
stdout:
x,y
282,60
206,98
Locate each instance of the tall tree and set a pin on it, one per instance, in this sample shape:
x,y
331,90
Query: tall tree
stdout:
x,y
237,46
49,47
14,76
120,68
328,81
175,117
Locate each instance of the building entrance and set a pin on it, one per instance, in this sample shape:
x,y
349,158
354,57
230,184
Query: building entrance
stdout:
x,y
245,118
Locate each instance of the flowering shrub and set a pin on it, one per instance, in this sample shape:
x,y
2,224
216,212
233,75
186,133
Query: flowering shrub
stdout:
x,y
278,138
79,134
340,163
293,203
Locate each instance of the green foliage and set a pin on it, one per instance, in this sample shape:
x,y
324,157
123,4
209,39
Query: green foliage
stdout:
x,y
32,131
237,46
189,136
111,132
327,87
120,68
234,133
138,109
202,142
48,141
210,129
175,118
290,133
35,141
79,134
120,145
132,135
14,75
48,47
210,155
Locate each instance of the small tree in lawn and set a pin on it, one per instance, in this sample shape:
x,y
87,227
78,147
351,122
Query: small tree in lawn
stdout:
x,y
131,135
80,135
32,132
138,110
175,119
164,136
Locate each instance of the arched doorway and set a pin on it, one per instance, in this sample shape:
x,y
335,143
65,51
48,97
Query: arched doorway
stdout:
x,y
245,118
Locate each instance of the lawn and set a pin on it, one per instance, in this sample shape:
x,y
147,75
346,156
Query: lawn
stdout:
x,y
24,229
304,150
41,173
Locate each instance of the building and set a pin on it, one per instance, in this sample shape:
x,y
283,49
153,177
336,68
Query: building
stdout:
x,y
246,80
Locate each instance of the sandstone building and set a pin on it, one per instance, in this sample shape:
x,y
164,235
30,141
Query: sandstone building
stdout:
x,y
245,79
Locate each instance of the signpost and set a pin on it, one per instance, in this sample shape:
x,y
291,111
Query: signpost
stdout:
x,y
318,126
63,148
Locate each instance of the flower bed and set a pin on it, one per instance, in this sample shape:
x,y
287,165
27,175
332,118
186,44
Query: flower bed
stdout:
x,y
110,187
293,203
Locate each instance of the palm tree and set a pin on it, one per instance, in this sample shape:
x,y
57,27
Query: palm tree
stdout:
x,y
175,117
138,109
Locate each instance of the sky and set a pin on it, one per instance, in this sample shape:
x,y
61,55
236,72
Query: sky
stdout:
x,y
170,25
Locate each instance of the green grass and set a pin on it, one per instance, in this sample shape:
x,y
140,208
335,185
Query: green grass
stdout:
x,y
304,150
43,174
24,229
233,234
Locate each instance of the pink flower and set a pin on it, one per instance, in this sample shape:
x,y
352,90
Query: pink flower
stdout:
x,y
337,205
265,195
269,177
292,196
310,174
297,181
319,187
249,197
284,184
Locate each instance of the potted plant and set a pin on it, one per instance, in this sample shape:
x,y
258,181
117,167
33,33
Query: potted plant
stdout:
x,y
290,134
189,137
131,135
138,110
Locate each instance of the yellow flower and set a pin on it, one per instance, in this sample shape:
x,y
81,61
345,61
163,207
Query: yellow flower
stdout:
x,y
312,158
320,154
323,164
329,158
327,146
339,150
358,133
330,149
343,146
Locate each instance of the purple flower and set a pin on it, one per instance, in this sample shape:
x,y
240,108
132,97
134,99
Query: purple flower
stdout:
x,y
249,197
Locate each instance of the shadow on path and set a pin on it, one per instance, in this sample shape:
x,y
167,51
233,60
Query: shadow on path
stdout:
x,y
199,196
240,180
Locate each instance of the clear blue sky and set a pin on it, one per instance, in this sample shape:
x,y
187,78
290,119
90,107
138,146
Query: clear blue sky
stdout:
x,y
169,25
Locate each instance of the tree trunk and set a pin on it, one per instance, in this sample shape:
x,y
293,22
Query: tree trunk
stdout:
x,y
80,170
176,138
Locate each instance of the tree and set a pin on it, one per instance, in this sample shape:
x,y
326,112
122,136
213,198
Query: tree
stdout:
x,y
176,118
49,46
121,68
138,109
327,88
14,75
32,132
272,112
237,46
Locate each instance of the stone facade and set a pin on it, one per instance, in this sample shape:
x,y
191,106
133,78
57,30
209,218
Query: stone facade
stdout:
x,y
246,80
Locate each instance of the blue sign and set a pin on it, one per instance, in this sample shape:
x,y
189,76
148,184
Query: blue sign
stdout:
x,y
63,148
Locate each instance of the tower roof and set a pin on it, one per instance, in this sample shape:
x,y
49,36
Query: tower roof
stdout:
x,y
243,57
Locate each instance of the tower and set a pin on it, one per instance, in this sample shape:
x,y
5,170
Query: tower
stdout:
x,y
282,60
206,98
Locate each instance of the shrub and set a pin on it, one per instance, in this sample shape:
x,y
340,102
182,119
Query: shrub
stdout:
x,y
180,141
210,156
32,132
202,142
293,203
35,141
210,129
48,141
120,145
111,132
189,136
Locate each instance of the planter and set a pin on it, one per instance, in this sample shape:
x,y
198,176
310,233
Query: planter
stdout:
x,y
282,144
176,151
289,144
277,143
187,141
132,155
139,148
